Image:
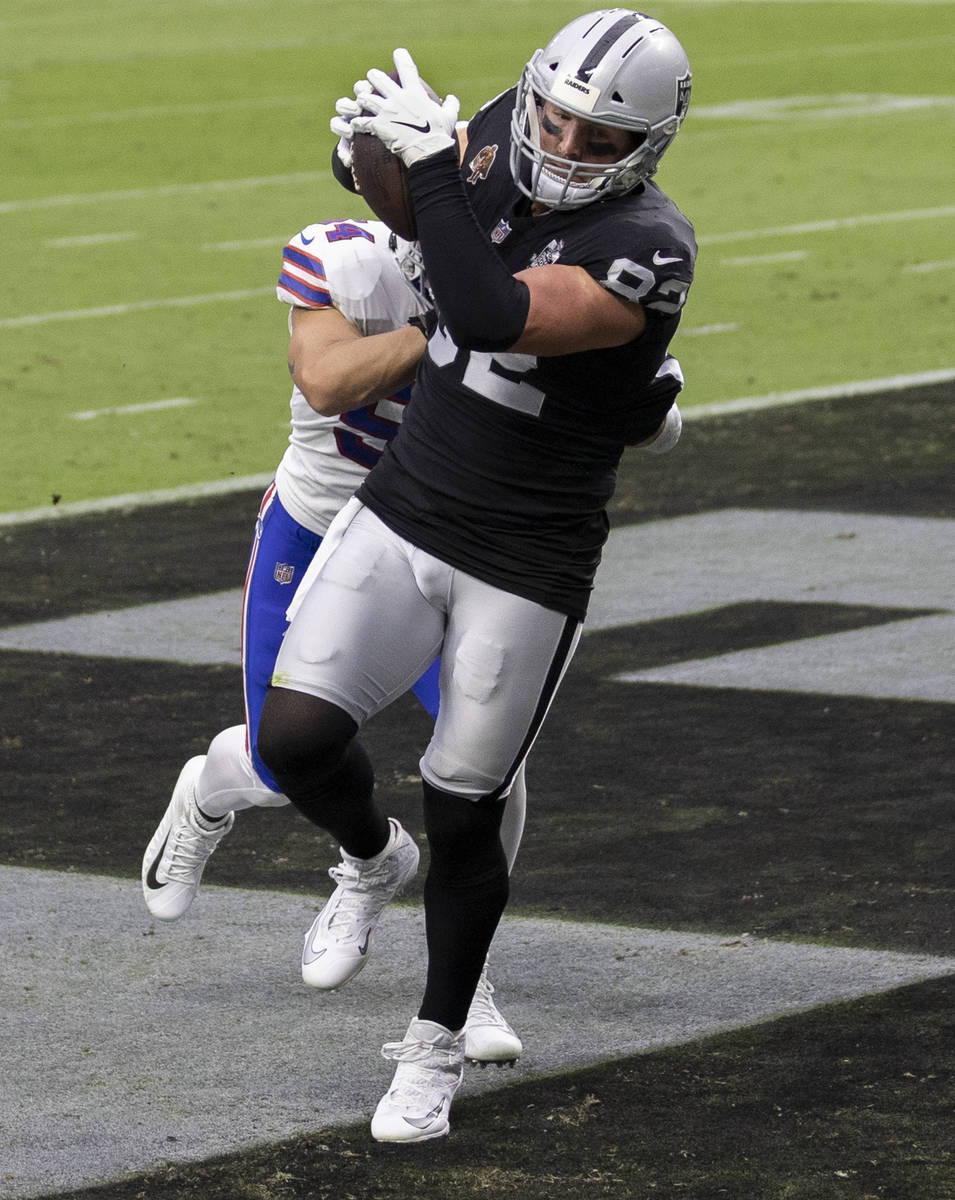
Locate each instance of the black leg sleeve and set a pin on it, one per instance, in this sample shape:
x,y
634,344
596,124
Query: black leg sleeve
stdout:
x,y
465,894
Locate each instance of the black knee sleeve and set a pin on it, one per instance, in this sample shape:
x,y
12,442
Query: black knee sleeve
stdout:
x,y
302,735
309,746
464,836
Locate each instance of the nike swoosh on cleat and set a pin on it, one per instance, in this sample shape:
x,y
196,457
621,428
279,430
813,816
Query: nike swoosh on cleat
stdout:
x,y
363,947
427,1119
152,880
308,956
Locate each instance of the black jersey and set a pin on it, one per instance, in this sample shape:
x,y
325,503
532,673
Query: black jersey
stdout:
x,y
505,462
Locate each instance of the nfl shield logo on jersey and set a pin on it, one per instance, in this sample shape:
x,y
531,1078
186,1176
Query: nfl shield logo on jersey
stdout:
x,y
283,572
500,232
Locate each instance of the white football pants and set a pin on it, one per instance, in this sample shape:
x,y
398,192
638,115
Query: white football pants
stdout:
x,y
374,611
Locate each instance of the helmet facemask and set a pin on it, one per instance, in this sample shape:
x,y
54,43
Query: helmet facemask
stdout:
x,y
410,262
564,183
613,68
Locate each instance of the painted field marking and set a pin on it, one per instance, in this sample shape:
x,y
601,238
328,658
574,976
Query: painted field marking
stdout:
x,y
154,110
824,226
126,409
750,260
839,104
138,1099
839,391
64,200
830,224
118,310
719,559
702,330
845,50
170,495
924,268
686,565
90,239
244,483
248,244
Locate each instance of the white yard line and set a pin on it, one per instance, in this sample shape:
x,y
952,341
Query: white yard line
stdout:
x,y
925,268
90,239
261,243
839,391
113,116
224,487
172,495
829,224
753,260
705,330
124,410
118,310
65,200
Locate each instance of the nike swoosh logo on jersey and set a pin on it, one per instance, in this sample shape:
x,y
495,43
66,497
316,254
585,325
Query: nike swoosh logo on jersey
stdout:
x,y
425,128
660,261
152,880
307,241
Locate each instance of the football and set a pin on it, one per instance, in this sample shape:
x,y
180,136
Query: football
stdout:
x,y
382,179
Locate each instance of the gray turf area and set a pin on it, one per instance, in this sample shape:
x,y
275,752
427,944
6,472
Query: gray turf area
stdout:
x,y
129,1044
743,554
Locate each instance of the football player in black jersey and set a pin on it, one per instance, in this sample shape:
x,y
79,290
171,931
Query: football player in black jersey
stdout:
x,y
559,270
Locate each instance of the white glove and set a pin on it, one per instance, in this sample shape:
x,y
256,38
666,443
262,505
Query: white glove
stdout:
x,y
404,117
347,108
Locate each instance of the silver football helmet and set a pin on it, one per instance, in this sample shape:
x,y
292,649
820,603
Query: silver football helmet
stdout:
x,y
611,67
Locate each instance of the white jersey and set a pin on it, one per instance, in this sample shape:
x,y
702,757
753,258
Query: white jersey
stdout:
x,y
346,265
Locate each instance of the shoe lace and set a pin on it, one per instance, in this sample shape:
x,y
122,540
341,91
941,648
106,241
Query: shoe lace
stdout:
x,y
189,848
483,1010
425,1072
423,1053
360,900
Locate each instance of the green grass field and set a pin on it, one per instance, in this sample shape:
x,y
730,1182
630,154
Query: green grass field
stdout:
x,y
155,157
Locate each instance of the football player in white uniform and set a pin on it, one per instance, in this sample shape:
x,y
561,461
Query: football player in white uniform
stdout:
x,y
352,287
559,271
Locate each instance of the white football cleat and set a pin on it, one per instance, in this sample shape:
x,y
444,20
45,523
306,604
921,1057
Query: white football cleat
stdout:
x,y
336,946
488,1037
430,1069
179,850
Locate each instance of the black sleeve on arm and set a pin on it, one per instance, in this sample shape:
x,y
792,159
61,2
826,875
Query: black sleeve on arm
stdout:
x,y
482,305
342,173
